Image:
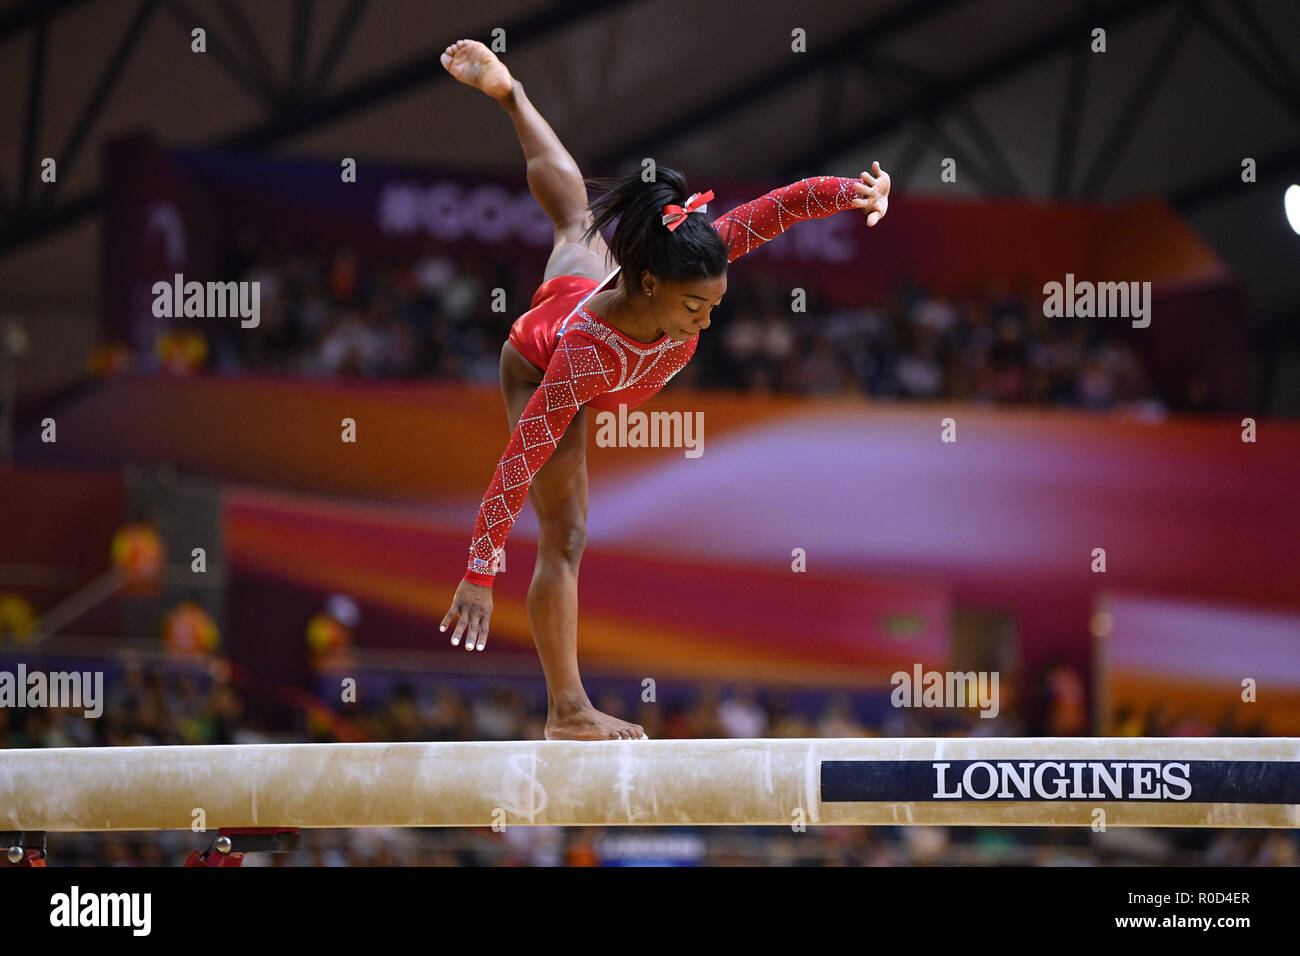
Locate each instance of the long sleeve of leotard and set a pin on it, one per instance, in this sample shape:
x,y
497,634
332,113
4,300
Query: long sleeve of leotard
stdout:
x,y
584,367
580,369
750,225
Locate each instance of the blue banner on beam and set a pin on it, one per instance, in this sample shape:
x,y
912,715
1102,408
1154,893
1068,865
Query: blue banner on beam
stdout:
x,y
1046,779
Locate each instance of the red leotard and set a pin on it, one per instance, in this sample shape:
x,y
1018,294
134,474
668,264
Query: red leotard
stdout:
x,y
589,362
556,308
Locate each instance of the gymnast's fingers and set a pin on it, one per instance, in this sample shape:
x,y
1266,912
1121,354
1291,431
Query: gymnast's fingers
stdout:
x,y
461,624
867,201
881,208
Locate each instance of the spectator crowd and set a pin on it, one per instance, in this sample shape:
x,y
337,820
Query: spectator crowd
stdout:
x,y
439,317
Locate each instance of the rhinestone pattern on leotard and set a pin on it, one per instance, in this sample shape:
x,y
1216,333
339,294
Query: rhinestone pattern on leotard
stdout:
x,y
592,359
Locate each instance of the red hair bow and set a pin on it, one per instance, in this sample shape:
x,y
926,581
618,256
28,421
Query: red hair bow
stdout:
x,y
675,215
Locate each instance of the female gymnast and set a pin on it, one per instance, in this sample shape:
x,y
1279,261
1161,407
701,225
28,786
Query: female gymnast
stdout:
x,y
578,345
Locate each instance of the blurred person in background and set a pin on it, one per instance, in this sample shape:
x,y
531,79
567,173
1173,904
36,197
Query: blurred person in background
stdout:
x,y
741,716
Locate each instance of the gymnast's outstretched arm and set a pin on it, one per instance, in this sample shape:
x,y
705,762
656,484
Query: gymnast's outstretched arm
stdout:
x,y
580,369
751,224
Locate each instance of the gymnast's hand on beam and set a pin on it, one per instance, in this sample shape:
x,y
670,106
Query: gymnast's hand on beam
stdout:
x,y
473,606
874,194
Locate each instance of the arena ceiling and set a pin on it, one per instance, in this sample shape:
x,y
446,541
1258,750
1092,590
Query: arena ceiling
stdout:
x,y
1009,88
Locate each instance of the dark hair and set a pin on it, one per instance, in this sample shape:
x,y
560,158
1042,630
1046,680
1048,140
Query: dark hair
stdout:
x,y
641,241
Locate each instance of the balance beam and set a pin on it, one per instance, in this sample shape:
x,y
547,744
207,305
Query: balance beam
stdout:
x,y
1061,781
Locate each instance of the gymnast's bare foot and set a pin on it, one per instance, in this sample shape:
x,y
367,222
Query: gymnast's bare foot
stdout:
x,y
475,65
585,722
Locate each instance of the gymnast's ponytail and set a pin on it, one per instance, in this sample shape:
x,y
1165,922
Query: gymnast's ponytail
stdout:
x,y
641,240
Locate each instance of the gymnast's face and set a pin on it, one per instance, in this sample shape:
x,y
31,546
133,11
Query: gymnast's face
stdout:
x,y
681,309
